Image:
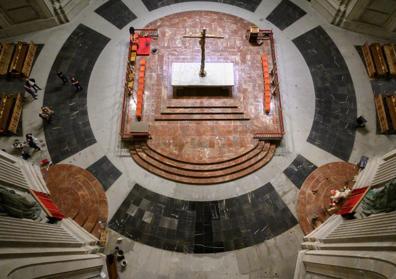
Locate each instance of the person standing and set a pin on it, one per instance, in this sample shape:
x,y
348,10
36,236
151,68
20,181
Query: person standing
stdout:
x,y
33,84
62,77
31,142
76,83
30,90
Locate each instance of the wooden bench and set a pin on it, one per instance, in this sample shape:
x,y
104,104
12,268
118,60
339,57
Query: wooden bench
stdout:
x,y
379,60
391,104
368,59
381,114
390,56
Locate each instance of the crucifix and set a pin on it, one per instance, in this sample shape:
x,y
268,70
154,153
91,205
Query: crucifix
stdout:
x,y
202,38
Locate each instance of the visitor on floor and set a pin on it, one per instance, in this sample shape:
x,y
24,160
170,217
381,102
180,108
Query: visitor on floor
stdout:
x,y
76,83
21,147
32,142
33,84
30,90
62,77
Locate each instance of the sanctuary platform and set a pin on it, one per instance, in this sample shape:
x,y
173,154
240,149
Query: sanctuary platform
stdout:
x,y
204,136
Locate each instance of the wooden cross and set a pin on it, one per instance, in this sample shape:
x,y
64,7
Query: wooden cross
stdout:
x,y
202,38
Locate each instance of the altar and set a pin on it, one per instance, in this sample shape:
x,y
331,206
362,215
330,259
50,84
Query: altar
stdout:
x,y
217,75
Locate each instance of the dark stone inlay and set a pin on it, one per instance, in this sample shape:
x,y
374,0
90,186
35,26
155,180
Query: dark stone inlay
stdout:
x,y
333,128
250,5
70,131
202,227
299,170
116,12
285,14
104,170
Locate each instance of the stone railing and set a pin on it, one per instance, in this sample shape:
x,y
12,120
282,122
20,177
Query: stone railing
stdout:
x,y
359,248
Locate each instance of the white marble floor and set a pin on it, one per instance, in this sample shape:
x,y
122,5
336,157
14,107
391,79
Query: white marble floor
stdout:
x,y
271,259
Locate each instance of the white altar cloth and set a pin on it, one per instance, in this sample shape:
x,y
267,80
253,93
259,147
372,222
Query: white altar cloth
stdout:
x,y
217,74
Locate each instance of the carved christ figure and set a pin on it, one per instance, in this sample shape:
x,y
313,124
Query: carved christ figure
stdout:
x,y
202,39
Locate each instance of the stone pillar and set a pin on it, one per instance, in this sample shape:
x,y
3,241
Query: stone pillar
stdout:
x,y
374,17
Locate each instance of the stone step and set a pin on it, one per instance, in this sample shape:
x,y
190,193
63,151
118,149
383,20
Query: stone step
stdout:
x,y
210,166
201,111
201,117
88,207
203,180
32,242
38,251
203,103
205,173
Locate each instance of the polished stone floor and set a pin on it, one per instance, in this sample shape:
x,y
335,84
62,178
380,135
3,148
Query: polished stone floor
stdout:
x,y
320,97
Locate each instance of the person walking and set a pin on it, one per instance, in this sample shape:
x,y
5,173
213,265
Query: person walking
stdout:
x,y
30,90
31,142
62,77
33,84
76,83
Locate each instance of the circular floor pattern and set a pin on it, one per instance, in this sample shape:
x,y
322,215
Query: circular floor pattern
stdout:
x,y
79,196
314,197
202,138
107,53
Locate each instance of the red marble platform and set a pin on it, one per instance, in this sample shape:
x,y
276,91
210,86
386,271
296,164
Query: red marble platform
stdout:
x,y
205,129
314,197
79,195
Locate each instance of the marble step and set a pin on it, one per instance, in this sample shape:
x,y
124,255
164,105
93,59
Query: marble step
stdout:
x,y
203,103
210,166
88,208
201,111
203,180
205,173
201,117
24,252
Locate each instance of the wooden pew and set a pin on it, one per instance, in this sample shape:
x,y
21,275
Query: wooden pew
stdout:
x,y
390,56
5,58
368,59
381,114
379,60
18,59
28,64
16,114
391,103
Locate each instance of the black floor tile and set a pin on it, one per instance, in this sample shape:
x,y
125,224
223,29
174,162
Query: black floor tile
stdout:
x,y
285,14
250,5
116,12
335,101
105,172
208,227
299,170
70,131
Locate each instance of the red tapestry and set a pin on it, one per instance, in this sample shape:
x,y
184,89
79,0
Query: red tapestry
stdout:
x,y
47,202
355,197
